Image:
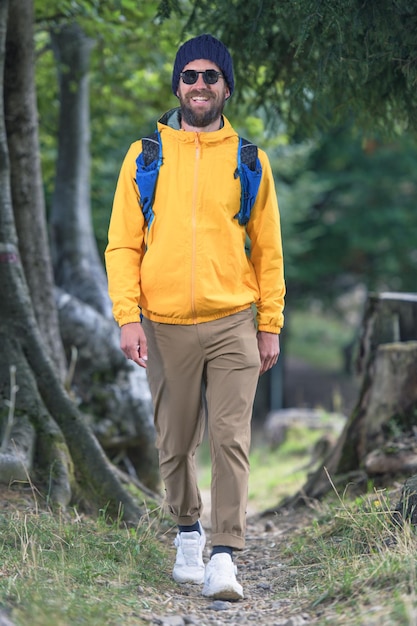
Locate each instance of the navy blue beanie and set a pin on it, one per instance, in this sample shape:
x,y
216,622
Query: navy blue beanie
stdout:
x,y
203,47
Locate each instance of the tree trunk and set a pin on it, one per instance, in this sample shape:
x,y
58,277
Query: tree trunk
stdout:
x,y
77,265
378,439
37,393
111,390
26,180
388,318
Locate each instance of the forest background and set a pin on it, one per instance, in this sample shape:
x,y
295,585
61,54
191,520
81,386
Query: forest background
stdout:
x,y
328,101
327,89
344,176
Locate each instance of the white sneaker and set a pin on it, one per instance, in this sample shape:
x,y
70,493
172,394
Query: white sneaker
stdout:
x,y
220,579
189,565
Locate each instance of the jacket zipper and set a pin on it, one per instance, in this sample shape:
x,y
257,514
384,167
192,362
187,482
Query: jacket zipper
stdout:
x,y
194,227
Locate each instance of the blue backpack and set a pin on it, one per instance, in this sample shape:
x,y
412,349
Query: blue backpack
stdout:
x,y
248,169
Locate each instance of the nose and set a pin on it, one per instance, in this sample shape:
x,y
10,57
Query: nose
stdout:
x,y
200,82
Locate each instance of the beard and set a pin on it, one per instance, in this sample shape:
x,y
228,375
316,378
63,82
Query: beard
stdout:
x,y
201,119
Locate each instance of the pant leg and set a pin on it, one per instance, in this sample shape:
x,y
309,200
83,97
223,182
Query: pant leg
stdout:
x,y
175,369
232,373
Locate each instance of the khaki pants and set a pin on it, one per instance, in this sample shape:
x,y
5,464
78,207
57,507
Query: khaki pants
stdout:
x,y
210,368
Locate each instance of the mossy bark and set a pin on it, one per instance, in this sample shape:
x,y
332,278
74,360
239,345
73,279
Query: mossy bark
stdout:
x,y
41,398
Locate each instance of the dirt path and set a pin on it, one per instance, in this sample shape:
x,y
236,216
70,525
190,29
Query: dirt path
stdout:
x,y
263,577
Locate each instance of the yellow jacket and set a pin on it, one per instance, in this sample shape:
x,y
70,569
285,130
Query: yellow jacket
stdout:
x,y
190,266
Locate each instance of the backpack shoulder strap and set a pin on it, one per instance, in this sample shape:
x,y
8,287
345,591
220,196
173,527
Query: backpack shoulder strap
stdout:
x,y
248,153
148,163
249,170
150,148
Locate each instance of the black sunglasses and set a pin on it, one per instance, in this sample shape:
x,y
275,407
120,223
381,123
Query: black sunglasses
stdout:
x,y
210,77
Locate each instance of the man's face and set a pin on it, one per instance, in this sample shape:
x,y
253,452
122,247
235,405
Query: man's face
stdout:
x,y
202,104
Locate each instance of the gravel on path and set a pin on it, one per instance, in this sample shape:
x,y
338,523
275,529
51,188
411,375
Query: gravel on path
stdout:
x,y
263,576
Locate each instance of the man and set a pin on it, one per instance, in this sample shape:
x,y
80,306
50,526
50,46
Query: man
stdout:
x,y
182,288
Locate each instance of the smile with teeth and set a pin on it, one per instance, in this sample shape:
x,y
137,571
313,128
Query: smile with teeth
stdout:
x,y
200,97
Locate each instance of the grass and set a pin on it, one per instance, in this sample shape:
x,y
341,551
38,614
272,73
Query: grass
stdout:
x,y
58,571
356,566
278,473
346,564
274,473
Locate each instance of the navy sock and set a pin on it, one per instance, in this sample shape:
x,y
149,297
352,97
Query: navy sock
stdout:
x,y
224,549
189,529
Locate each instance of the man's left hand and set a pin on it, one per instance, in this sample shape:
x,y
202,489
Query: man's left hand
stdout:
x,y
268,345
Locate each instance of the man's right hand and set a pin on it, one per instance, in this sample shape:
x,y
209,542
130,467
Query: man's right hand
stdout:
x,y
133,343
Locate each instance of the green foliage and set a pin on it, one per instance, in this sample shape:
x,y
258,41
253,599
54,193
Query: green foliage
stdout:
x,y
129,86
314,62
347,204
348,209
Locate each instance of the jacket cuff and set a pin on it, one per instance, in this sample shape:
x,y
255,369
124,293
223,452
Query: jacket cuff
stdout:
x,y
275,330
129,319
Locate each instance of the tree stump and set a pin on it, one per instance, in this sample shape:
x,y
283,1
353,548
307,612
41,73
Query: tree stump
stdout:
x,y
385,413
407,506
388,318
